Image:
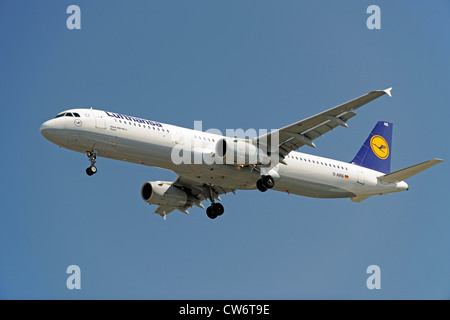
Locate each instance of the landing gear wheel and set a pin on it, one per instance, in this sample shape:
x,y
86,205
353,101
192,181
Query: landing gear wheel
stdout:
x,y
92,155
210,213
268,182
260,186
218,208
91,170
215,210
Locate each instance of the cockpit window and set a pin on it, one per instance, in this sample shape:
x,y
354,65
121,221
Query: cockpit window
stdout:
x,y
68,114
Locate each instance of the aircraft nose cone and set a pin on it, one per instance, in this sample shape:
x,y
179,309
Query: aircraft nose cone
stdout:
x,y
50,130
44,129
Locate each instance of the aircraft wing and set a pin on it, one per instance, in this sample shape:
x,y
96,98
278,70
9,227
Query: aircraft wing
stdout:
x,y
164,210
305,131
197,192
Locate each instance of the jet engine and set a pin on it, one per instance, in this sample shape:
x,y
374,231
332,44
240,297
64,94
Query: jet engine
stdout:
x,y
240,152
163,193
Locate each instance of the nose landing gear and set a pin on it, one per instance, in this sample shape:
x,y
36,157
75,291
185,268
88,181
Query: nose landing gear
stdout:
x,y
92,155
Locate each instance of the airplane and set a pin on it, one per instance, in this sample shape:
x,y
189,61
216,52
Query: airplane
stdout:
x,y
227,164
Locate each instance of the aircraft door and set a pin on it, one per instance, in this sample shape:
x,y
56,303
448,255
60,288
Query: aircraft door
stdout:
x,y
361,179
99,117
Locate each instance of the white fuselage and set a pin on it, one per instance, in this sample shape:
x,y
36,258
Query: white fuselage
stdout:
x,y
151,143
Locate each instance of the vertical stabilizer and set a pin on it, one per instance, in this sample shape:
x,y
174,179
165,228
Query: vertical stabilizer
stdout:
x,y
376,152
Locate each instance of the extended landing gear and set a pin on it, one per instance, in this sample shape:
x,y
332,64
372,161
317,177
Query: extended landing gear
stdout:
x,y
92,155
266,182
91,170
216,209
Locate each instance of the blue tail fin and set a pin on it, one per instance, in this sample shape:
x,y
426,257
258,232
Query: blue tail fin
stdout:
x,y
377,150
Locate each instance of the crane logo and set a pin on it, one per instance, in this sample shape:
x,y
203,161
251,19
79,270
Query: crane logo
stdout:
x,y
379,147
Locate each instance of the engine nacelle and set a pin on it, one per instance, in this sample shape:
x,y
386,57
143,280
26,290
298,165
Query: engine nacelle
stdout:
x,y
162,193
240,151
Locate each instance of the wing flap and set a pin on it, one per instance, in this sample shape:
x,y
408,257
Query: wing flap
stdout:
x,y
164,210
359,198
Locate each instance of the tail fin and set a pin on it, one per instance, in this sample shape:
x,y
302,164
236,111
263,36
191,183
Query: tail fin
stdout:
x,y
377,150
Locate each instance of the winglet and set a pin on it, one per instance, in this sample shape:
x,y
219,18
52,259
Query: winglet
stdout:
x,y
388,92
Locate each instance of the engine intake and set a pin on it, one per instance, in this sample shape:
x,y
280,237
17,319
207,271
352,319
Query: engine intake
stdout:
x,y
240,152
163,193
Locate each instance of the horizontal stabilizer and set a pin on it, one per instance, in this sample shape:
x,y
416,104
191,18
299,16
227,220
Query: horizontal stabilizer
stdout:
x,y
406,173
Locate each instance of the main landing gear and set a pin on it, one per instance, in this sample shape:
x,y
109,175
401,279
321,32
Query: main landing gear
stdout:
x,y
266,182
215,209
92,155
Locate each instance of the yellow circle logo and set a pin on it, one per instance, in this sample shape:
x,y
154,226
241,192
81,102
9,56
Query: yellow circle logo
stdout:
x,y
379,147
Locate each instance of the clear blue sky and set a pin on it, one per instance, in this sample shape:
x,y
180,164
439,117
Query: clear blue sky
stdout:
x,y
231,64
